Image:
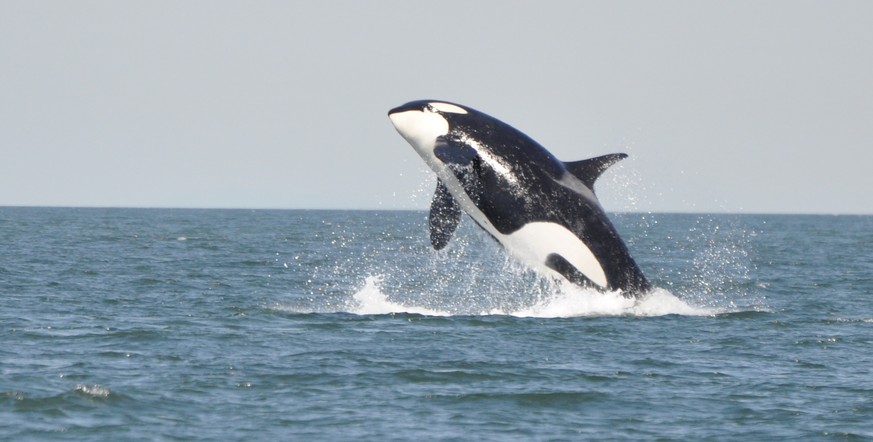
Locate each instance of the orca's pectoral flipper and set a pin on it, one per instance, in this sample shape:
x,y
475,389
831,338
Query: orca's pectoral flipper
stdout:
x,y
589,170
445,215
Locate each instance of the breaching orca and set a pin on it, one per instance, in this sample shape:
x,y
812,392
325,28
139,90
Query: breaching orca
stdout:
x,y
543,211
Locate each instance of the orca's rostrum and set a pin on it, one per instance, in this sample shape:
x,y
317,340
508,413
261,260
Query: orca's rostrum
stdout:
x,y
541,210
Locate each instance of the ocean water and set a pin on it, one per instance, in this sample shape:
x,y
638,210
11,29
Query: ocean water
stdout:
x,y
127,324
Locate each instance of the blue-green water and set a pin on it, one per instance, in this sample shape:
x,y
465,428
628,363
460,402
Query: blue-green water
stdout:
x,y
121,324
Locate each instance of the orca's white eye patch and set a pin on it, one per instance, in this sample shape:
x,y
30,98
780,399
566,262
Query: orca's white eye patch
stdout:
x,y
446,107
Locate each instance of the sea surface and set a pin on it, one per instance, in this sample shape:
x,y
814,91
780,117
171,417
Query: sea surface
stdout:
x,y
148,324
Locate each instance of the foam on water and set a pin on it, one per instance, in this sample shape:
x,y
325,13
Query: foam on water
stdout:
x,y
574,302
565,302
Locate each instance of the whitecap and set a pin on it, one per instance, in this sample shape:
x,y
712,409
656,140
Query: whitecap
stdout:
x,y
95,390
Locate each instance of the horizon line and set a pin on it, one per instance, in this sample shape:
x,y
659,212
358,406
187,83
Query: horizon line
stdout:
x,y
362,209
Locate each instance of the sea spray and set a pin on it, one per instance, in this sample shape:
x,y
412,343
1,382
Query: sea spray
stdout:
x,y
716,267
363,267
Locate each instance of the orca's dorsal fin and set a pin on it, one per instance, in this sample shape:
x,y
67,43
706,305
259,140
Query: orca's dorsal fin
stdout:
x,y
445,215
589,170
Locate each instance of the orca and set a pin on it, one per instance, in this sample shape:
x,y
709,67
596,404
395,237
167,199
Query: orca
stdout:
x,y
544,212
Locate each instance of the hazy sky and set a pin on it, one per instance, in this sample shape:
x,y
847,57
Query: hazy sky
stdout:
x,y
759,106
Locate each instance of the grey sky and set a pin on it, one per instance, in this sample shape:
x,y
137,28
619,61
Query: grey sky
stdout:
x,y
761,106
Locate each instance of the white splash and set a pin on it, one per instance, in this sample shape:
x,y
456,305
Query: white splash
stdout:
x,y
571,301
371,301
567,301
